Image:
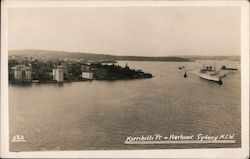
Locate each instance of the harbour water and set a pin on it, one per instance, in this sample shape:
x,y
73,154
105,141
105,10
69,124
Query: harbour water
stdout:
x,y
102,114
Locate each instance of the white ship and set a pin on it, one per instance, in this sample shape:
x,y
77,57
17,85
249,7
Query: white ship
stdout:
x,y
210,74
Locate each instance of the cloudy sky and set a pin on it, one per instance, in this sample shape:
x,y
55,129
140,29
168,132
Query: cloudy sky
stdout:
x,y
147,31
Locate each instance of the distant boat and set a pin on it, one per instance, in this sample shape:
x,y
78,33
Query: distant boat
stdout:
x,y
181,67
210,74
226,68
185,75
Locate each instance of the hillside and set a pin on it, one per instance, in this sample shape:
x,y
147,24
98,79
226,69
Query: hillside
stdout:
x,y
229,58
60,55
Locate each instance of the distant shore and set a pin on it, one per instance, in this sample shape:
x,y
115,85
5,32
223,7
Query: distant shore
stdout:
x,y
90,57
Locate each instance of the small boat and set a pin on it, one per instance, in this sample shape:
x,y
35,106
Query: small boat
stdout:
x,y
185,75
210,74
181,67
226,68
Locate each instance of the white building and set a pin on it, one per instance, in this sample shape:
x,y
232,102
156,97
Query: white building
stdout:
x,y
58,74
86,68
87,75
22,73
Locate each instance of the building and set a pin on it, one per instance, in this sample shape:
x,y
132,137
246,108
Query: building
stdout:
x,y
58,73
88,75
87,72
22,73
86,68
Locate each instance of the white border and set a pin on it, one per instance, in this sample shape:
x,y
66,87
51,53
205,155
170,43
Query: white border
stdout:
x,y
242,152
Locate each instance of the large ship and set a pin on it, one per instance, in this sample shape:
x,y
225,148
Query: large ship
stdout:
x,y
210,74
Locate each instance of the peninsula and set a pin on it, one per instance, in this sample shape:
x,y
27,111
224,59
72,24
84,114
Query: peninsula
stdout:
x,y
30,70
32,65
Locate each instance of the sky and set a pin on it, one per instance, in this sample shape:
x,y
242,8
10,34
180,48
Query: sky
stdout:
x,y
141,31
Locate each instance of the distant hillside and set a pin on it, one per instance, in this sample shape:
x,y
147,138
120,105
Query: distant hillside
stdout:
x,y
230,58
60,55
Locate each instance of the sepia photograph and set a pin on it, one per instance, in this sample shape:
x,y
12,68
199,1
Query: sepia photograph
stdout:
x,y
125,76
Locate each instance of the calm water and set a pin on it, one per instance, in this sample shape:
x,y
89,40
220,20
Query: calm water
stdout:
x,y
101,114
